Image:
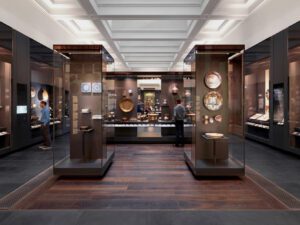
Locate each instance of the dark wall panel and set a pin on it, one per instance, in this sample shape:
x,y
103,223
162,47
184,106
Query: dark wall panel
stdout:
x,y
21,87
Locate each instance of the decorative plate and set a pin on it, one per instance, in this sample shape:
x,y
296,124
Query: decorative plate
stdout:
x,y
213,80
214,135
96,88
126,105
213,101
86,87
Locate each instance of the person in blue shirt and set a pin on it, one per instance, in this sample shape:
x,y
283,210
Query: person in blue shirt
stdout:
x,y
45,122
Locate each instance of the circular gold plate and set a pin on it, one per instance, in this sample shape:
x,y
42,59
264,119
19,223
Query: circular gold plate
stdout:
x,y
126,105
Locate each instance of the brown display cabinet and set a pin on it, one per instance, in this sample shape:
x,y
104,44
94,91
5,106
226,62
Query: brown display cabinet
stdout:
x,y
85,68
217,147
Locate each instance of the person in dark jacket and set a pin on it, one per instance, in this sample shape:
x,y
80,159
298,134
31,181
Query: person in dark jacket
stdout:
x,y
179,115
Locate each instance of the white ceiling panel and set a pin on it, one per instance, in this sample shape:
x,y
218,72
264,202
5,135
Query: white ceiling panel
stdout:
x,y
146,35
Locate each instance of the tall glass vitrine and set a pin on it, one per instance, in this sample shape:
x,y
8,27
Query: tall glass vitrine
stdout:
x,y
84,74
217,140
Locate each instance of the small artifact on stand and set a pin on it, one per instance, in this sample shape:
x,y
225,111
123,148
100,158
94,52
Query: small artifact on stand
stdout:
x,y
152,117
174,90
205,119
218,118
214,135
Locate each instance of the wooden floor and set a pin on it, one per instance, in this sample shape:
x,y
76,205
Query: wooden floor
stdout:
x,y
152,177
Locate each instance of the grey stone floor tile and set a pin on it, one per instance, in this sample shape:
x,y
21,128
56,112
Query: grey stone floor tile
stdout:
x,y
42,218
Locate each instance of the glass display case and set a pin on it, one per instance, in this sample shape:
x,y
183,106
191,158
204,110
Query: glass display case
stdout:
x,y
217,146
85,68
257,90
41,88
141,106
294,87
5,86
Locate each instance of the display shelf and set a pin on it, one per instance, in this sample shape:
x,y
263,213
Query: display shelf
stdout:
x,y
146,125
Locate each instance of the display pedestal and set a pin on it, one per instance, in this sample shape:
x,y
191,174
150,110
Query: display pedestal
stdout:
x,y
79,167
218,168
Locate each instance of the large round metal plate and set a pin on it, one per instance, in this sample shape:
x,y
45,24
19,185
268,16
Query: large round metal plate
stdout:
x,y
213,101
213,80
126,105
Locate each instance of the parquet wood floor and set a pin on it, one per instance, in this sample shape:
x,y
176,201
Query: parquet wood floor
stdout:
x,y
153,177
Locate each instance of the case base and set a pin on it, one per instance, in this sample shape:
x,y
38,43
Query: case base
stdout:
x,y
80,168
220,168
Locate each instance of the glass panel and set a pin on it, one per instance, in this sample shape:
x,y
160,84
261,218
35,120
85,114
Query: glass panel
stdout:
x,y
61,107
5,86
190,94
82,71
257,96
108,102
294,89
235,95
42,89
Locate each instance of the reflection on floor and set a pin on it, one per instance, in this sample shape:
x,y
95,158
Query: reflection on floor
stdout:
x,y
18,168
152,177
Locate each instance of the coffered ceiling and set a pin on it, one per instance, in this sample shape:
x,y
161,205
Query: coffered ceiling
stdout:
x,y
149,35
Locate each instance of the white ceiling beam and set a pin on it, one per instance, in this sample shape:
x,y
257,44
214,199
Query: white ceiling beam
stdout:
x,y
205,17
89,9
148,49
208,10
149,43
149,59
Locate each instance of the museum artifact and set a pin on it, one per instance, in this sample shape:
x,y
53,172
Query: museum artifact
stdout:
x,y
214,135
43,95
96,88
218,118
126,105
213,80
213,101
32,92
86,87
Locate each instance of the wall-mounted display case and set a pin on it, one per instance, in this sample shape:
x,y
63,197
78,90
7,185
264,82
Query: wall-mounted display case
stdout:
x,y
257,90
294,87
215,149
85,69
5,86
271,90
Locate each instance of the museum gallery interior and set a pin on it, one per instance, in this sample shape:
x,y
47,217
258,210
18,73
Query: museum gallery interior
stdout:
x,y
149,112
